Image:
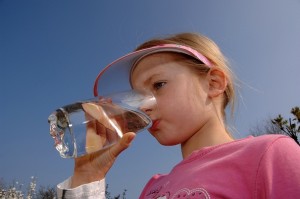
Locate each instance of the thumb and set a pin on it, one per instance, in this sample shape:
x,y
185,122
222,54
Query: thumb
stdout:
x,y
122,144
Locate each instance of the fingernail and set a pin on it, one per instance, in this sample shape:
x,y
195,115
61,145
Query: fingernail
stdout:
x,y
129,139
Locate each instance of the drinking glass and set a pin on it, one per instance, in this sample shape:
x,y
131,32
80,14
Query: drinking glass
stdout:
x,y
91,125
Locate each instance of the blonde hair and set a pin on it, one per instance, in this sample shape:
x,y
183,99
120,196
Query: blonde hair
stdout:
x,y
210,50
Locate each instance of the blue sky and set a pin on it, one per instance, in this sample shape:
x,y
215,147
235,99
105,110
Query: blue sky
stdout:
x,y
51,52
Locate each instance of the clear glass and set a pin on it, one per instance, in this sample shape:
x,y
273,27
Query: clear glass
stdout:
x,y
91,125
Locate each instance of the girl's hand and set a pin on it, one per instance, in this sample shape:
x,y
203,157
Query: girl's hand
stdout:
x,y
96,164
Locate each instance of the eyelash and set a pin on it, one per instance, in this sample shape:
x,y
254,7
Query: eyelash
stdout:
x,y
158,85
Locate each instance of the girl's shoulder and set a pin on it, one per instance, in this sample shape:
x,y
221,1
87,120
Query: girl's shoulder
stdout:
x,y
265,147
265,143
277,144
269,140
247,147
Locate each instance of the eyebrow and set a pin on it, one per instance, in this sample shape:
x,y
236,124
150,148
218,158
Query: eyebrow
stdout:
x,y
149,79
152,77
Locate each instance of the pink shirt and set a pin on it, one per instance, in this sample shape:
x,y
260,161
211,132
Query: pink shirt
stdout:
x,y
255,167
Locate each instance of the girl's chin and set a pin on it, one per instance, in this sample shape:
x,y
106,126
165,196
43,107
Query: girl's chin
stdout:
x,y
166,142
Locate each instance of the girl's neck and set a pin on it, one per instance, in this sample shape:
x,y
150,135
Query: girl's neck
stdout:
x,y
211,134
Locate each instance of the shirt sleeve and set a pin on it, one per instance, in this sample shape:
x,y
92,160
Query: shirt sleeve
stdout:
x,y
278,175
93,190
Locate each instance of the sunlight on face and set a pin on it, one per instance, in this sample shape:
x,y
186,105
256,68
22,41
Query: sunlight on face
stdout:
x,y
181,97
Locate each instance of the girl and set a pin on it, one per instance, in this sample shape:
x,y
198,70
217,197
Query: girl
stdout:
x,y
192,84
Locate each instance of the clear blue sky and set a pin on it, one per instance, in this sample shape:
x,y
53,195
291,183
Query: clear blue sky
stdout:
x,y
51,52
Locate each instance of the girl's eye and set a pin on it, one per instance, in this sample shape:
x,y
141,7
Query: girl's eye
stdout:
x,y
158,85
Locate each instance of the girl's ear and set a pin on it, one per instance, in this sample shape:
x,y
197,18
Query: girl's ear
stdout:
x,y
217,82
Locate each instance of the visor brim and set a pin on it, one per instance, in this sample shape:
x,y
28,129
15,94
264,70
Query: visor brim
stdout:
x,y
115,76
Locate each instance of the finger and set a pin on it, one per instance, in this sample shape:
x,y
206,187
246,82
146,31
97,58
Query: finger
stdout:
x,y
94,141
97,113
122,144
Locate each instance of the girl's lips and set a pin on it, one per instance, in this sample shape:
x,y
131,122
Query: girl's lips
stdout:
x,y
154,126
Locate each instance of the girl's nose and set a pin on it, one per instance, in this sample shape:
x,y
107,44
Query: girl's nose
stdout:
x,y
148,106
146,109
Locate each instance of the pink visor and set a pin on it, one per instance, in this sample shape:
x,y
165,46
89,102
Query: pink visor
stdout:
x,y
115,77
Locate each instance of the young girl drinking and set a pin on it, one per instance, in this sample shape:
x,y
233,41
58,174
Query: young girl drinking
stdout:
x,y
192,84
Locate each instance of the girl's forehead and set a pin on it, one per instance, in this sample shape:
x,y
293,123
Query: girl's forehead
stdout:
x,y
156,66
152,63
154,60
